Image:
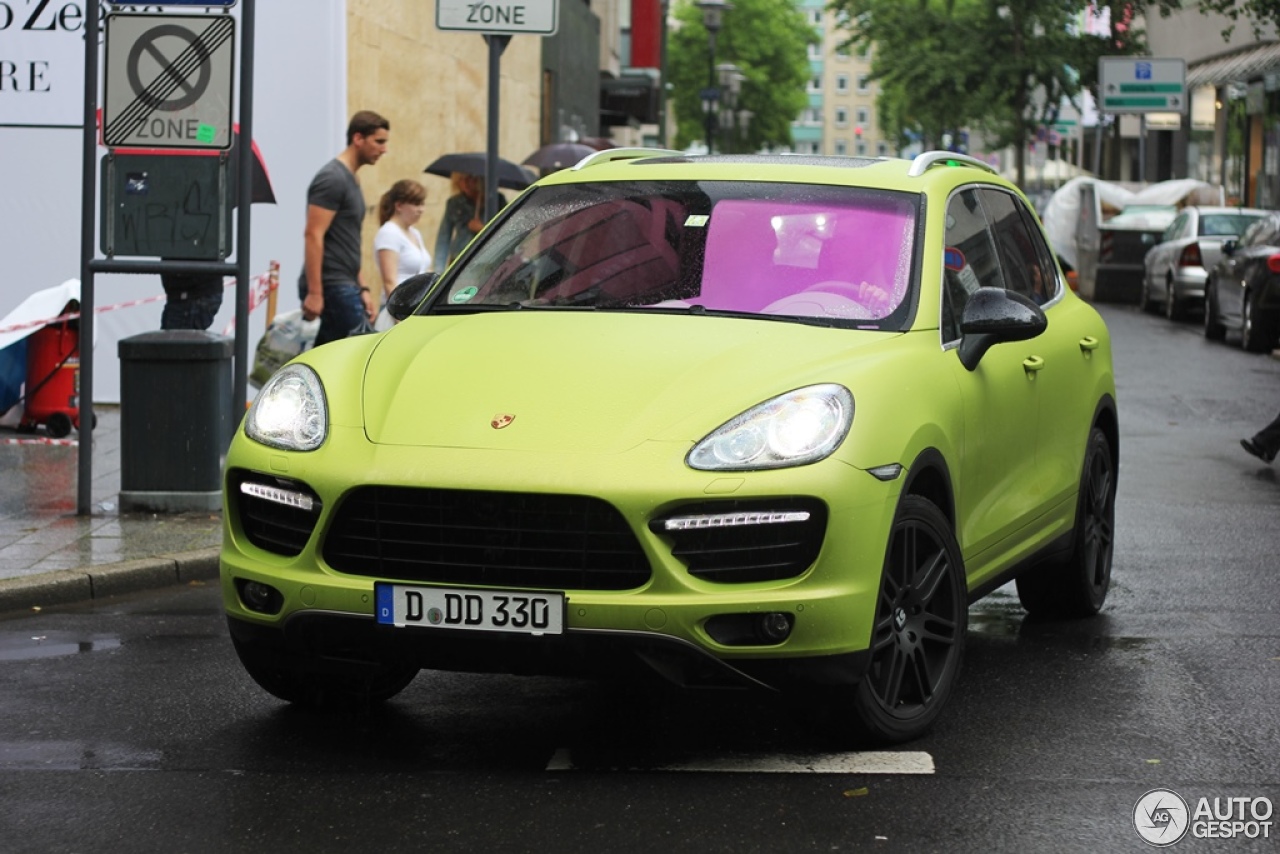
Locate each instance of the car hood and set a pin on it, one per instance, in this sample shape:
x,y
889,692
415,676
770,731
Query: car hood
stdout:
x,y
586,382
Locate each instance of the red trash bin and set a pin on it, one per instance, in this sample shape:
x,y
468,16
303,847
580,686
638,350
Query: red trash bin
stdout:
x,y
53,379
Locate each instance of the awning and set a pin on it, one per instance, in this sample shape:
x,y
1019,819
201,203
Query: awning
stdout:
x,y
1240,66
631,97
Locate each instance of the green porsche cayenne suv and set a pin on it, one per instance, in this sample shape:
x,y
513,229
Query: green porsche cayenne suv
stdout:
x,y
769,421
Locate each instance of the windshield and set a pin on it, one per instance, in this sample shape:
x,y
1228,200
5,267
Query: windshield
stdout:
x,y
844,256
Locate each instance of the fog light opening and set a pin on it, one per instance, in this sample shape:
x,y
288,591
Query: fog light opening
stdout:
x,y
774,627
259,597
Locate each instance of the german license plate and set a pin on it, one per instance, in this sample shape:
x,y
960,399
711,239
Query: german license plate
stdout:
x,y
403,605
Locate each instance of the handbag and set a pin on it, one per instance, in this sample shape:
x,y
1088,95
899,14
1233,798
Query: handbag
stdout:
x,y
286,337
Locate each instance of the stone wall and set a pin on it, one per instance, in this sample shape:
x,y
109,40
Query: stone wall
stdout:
x,y
433,86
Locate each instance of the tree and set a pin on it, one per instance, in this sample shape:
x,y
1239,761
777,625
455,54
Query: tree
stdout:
x,y
1002,66
1258,13
768,41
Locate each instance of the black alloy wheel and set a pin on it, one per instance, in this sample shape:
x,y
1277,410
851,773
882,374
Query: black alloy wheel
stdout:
x,y
917,640
1257,334
1077,586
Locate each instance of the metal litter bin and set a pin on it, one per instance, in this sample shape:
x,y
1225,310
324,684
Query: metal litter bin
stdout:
x,y
175,420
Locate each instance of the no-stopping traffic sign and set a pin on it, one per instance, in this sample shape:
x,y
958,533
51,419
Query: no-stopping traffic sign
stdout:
x,y
168,81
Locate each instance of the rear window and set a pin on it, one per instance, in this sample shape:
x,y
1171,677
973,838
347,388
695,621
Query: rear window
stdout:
x,y
1233,224
838,255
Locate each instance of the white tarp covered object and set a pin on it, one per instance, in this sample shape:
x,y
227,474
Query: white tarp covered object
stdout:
x,y
1061,215
16,327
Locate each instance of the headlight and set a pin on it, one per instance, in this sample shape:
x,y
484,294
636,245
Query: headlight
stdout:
x,y
290,412
799,427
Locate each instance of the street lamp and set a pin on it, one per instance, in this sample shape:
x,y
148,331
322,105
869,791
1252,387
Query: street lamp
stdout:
x,y
731,80
712,18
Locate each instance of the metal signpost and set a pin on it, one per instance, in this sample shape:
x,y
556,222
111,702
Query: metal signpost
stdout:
x,y
497,21
168,85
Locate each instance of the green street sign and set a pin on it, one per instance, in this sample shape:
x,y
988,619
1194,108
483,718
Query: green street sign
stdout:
x,y
1129,84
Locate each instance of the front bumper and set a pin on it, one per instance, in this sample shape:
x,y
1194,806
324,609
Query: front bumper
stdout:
x,y
332,643
662,623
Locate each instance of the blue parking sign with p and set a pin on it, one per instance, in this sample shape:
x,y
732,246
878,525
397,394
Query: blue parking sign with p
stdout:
x,y
1142,70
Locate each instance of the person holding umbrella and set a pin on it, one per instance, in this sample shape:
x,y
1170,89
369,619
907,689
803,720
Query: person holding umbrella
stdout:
x,y
331,286
463,218
464,211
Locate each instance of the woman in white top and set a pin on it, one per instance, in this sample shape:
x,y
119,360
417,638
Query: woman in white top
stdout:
x,y
398,244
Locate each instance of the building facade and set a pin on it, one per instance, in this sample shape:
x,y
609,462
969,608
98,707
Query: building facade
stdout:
x,y
841,115
1231,133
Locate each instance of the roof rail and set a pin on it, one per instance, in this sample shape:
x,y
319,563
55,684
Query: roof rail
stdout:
x,y
611,154
926,161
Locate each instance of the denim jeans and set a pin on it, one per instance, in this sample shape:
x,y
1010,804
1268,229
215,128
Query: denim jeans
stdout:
x,y
343,312
191,312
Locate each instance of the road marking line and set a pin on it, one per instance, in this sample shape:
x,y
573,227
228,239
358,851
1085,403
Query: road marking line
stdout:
x,y
870,762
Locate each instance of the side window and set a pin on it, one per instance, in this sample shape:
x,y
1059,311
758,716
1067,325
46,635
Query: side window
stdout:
x,y
1176,229
1019,257
1048,267
970,260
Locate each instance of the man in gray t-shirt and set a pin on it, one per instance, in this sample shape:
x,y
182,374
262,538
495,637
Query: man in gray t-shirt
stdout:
x,y
331,286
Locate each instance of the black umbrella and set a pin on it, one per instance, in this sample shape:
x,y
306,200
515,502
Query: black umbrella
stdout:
x,y
558,155
599,143
510,175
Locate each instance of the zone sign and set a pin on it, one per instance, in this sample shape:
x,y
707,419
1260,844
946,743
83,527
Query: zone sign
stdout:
x,y
168,81
514,17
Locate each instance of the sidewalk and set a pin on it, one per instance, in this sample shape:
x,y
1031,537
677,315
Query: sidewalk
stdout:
x,y
51,556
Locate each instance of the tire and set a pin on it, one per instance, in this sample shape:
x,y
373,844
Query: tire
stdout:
x,y
287,677
1077,587
1256,335
1146,304
917,640
59,425
1174,309
1213,328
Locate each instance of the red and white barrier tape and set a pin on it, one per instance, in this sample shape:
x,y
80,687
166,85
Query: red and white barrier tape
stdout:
x,y
39,441
260,287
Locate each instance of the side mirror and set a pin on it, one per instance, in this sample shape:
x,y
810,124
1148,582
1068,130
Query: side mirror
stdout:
x,y
993,316
408,294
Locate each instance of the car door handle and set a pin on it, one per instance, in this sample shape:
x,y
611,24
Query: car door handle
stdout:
x,y
1031,364
1088,343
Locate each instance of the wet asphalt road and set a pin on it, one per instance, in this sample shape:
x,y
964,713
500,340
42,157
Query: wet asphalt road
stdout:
x,y
127,725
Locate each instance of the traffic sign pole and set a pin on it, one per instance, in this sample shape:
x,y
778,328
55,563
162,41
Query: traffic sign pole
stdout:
x,y
89,266
497,21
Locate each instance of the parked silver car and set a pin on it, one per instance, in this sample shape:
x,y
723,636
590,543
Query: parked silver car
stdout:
x,y
1175,268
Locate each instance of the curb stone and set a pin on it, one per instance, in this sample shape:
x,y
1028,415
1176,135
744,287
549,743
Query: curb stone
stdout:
x,y
70,586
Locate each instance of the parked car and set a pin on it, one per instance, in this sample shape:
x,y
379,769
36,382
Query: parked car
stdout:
x,y
1176,268
1243,289
763,421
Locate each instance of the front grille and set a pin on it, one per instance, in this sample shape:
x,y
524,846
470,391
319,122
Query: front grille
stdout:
x,y
271,525
748,552
502,539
